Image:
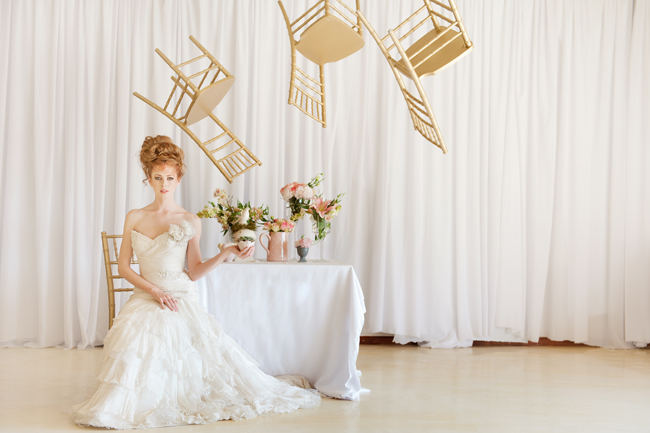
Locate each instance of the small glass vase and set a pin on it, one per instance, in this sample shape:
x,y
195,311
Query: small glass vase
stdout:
x,y
301,229
320,244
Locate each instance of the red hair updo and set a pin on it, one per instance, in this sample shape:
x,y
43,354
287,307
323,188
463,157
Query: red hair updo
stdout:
x,y
161,150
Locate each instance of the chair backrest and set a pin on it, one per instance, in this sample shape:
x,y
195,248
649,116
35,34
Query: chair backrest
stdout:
x,y
111,248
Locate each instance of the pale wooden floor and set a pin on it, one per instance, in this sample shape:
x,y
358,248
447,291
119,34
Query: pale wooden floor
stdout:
x,y
486,389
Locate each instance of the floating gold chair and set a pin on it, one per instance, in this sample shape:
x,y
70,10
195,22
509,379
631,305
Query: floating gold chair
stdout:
x,y
328,31
440,39
193,97
110,263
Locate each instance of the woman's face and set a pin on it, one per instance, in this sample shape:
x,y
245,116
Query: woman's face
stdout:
x,y
164,179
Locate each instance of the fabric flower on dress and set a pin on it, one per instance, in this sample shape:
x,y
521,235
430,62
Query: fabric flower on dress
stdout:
x,y
175,232
179,233
171,275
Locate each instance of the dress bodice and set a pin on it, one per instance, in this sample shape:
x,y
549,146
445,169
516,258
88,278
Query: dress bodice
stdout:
x,y
162,259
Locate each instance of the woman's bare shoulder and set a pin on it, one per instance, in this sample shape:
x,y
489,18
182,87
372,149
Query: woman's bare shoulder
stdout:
x,y
193,219
133,216
135,213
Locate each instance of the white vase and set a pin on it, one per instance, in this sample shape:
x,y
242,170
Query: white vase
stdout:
x,y
210,236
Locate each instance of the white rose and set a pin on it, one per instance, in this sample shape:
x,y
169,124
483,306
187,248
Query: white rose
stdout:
x,y
304,192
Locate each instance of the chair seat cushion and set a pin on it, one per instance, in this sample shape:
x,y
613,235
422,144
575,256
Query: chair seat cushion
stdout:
x,y
207,99
329,39
442,58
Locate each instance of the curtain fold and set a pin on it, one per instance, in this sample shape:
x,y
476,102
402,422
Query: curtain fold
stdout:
x,y
535,224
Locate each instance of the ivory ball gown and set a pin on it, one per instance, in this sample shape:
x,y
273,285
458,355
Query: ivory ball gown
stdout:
x,y
166,368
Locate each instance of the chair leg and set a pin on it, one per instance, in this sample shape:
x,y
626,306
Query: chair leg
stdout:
x,y
427,127
109,280
322,95
293,48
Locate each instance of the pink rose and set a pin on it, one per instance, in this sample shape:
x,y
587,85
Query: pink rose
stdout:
x,y
286,226
288,190
304,242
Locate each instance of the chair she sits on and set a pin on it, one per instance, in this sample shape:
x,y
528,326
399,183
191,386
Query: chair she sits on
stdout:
x,y
433,50
110,262
324,33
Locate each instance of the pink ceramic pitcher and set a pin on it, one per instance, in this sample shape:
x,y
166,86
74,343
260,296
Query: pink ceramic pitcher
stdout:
x,y
277,250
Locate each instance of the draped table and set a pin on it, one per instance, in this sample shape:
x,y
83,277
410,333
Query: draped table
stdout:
x,y
293,318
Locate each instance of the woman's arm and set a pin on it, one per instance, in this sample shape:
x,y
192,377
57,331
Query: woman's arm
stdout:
x,y
196,267
124,266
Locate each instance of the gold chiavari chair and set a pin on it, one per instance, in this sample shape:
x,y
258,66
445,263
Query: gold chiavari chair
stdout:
x,y
110,244
440,39
326,32
193,97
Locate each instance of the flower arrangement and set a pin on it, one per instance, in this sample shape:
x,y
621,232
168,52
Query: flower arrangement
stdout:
x,y
239,219
299,195
322,212
180,232
279,225
302,199
303,242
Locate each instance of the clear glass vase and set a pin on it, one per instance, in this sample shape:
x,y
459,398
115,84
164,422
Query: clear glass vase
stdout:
x,y
302,229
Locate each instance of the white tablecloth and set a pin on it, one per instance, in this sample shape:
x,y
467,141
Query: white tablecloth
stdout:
x,y
293,318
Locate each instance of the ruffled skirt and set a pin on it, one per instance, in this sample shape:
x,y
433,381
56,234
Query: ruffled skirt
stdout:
x,y
166,368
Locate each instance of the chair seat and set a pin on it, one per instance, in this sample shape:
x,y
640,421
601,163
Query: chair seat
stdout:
x,y
444,57
329,39
208,98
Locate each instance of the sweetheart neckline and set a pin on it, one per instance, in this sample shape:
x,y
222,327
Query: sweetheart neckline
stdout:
x,y
163,233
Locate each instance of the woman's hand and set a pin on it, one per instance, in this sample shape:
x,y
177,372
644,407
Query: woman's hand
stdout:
x,y
246,253
242,254
164,299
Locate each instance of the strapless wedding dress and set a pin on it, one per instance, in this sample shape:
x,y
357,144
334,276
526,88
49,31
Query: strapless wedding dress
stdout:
x,y
165,368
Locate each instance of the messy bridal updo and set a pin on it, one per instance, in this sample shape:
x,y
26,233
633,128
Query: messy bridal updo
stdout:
x,y
161,150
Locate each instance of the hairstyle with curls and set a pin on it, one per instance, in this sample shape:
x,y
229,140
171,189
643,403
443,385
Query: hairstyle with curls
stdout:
x,y
161,150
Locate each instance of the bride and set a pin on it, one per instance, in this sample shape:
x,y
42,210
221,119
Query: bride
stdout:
x,y
166,360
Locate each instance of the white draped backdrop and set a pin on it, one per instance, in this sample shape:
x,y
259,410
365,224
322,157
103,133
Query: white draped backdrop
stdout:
x,y
536,224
